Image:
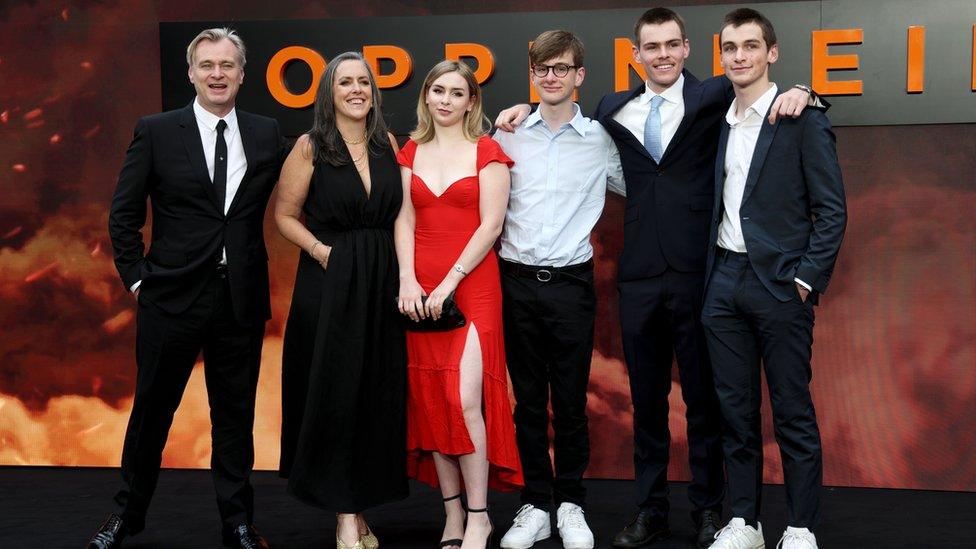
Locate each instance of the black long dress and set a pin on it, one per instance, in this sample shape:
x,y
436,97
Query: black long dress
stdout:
x,y
344,361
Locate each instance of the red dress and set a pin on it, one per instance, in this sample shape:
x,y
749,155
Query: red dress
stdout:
x,y
444,224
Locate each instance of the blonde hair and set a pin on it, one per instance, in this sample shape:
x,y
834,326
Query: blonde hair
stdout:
x,y
474,123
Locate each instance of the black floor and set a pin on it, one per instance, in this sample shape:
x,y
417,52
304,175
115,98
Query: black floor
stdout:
x,y
53,508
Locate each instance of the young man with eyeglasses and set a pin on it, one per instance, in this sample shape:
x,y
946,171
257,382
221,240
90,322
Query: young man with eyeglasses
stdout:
x,y
563,164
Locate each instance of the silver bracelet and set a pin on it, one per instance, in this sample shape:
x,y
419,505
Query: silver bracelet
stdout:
x,y
460,269
312,249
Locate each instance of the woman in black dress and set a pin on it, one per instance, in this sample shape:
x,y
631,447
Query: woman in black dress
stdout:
x,y
344,364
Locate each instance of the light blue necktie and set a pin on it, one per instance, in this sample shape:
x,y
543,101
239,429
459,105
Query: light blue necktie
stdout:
x,y
652,129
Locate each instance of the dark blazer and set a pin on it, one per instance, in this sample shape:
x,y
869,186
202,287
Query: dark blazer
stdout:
x,y
165,162
669,205
793,211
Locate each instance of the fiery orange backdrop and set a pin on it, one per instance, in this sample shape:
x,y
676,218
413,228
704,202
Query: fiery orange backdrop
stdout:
x,y
895,348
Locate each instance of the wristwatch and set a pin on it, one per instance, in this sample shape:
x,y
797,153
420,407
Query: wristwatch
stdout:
x,y
805,88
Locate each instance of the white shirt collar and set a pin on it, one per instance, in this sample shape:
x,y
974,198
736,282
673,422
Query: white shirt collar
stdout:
x,y
673,94
759,108
209,119
578,122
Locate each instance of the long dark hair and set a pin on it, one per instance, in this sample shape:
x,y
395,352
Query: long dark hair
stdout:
x,y
326,140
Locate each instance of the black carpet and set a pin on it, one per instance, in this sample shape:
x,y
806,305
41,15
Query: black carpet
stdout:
x,y
53,508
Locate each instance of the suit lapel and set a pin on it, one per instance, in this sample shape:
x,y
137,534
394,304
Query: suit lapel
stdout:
x,y
766,133
244,126
723,141
190,133
627,136
692,93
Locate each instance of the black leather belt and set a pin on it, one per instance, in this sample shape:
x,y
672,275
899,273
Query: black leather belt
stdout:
x,y
722,253
549,274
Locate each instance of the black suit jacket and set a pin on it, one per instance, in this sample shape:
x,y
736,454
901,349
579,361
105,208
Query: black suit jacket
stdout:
x,y
669,205
165,162
793,210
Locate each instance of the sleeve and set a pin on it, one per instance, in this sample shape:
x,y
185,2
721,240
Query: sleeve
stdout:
x,y
615,172
406,154
128,211
828,203
490,151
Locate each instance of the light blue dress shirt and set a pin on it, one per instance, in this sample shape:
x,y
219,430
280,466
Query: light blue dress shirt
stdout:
x,y
559,185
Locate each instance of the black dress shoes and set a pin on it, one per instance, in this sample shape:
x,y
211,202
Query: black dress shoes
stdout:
x,y
644,530
109,535
244,537
707,523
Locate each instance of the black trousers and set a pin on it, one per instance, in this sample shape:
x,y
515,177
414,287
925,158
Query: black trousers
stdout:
x,y
167,347
746,326
660,320
548,347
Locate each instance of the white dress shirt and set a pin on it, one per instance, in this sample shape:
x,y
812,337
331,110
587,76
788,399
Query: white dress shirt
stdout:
x,y
559,185
743,135
633,115
236,161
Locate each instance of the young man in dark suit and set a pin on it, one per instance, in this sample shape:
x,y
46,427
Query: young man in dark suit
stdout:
x,y
208,170
777,226
667,132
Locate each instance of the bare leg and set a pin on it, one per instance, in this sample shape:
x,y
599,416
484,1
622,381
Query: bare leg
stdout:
x,y
347,528
474,466
449,478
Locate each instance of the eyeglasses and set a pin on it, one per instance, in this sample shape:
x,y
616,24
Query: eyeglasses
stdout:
x,y
559,69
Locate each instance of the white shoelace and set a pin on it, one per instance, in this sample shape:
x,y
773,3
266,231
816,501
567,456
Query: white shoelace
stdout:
x,y
795,539
734,534
573,519
522,517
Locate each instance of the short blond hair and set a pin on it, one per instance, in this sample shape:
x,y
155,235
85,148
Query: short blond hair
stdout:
x,y
216,35
474,123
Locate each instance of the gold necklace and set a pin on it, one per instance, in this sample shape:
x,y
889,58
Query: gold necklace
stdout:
x,y
361,141
356,161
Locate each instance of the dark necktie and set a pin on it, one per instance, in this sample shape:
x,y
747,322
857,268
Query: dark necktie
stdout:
x,y
220,165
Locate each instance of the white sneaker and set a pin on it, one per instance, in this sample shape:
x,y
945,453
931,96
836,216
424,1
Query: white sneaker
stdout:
x,y
739,535
797,538
572,527
530,525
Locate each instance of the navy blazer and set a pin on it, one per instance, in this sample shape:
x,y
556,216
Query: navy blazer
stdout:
x,y
165,163
794,211
669,205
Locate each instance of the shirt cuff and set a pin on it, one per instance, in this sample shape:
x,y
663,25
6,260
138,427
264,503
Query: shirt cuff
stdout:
x,y
135,286
804,284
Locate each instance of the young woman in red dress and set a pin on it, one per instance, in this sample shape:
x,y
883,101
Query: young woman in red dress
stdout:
x,y
459,418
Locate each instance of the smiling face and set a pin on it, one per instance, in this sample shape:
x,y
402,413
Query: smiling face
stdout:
x,y
745,55
352,90
449,99
217,75
662,51
556,90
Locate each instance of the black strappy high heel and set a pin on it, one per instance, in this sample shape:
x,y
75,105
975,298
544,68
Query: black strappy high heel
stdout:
x,y
456,541
491,527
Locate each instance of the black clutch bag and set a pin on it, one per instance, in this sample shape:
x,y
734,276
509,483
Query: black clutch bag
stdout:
x,y
451,318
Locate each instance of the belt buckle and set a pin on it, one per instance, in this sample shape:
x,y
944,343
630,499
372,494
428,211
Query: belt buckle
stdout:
x,y
543,275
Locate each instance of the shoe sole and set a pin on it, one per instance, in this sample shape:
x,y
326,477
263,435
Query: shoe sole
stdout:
x,y
578,545
657,537
544,534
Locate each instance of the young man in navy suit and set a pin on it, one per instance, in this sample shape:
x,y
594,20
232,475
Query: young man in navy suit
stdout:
x,y
777,226
667,132
208,170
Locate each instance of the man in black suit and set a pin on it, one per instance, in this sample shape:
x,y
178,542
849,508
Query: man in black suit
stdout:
x,y
777,226
667,132
208,170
